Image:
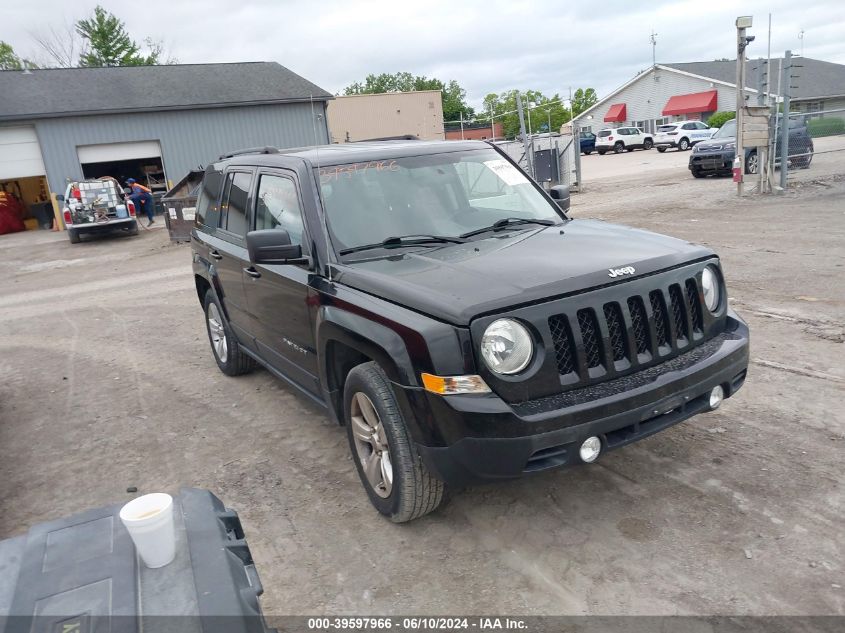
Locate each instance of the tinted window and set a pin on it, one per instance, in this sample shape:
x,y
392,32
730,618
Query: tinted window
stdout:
x,y
233,208
701,126
604,133
666,128
689,126
208,212
728,130
277,206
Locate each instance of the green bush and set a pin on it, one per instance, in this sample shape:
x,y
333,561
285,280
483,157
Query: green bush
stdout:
x,y
826,127
720,118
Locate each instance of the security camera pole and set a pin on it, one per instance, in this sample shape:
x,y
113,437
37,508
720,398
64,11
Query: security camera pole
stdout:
x,y
742,23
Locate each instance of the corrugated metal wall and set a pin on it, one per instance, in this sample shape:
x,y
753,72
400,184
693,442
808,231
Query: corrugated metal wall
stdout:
x,y
646,97
359,117
188,138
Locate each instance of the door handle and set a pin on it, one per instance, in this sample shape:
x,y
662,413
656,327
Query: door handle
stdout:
x,y
215,254
252,272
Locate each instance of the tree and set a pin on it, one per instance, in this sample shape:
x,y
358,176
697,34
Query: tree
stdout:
x,y
452,95
718,119
505,111
109,43
10,61
583,100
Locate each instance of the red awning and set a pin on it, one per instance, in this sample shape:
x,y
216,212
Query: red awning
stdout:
x,y
617,113
695,102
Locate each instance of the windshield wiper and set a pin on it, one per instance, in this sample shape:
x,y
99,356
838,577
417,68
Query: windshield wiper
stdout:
x,y
505,223
405,240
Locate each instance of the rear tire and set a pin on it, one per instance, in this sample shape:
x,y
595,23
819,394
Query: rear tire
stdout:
x,y
648,144
227,352
73,236
404,489
661,149
683,145
601,153
697,173
618,148
751,163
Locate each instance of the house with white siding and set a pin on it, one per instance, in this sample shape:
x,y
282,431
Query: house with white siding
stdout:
x,y
695,90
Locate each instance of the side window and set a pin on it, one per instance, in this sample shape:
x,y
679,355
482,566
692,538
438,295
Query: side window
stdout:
x,y
277,206
233,206
701,126
208,213
689,126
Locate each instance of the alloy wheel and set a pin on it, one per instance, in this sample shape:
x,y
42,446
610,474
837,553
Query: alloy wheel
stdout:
x,y
751,164
218,333
371,445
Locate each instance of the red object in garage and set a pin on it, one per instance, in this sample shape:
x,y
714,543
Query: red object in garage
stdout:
x,y
617,113
11,212
694,102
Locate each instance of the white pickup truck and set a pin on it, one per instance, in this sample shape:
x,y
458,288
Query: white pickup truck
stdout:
x,y
93,206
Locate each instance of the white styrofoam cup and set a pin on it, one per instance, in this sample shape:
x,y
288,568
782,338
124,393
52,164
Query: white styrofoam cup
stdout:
x,y
149,521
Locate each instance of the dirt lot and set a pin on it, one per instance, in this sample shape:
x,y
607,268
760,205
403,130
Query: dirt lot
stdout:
x,y
106,381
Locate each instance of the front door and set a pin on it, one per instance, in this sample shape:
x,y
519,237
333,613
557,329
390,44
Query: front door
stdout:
x,y
278,294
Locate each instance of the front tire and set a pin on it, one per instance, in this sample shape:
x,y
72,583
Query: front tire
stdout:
x,y
697,173
618,148
648,144
231,360
396,480
683,145
587,152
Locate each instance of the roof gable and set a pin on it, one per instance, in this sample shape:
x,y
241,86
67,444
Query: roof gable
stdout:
x,y
69,91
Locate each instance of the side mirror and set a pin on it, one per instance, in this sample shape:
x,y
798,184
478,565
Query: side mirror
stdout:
x,y
60,197
272,246
560,194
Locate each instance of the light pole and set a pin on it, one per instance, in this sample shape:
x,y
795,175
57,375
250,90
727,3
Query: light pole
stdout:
x,y
742,23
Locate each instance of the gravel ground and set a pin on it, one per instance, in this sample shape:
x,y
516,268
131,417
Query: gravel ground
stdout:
x,y
106,381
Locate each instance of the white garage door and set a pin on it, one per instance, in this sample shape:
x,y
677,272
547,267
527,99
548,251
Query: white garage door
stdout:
x,y
110,152
20,153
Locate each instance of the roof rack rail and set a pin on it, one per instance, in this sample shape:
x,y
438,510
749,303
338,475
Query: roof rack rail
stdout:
x,y
402,137
251,150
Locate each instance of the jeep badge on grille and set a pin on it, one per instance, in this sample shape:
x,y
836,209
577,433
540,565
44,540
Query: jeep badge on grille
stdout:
x,y
618,272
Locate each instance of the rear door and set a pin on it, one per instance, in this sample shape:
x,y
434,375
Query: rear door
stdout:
x,y
227,249
278,294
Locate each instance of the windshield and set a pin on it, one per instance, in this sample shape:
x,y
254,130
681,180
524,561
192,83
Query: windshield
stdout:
x,y
442,194
728,130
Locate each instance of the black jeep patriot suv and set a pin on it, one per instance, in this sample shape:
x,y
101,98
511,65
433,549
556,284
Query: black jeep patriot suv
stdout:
x,y
437,302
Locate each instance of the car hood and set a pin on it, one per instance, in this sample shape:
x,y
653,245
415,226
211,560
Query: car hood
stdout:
x,y
458,282
717,143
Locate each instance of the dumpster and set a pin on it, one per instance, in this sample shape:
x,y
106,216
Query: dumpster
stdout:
x,y
82,574
179,206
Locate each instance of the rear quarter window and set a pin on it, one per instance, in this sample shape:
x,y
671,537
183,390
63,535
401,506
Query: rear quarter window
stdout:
x,y
604,133
208,212
666,128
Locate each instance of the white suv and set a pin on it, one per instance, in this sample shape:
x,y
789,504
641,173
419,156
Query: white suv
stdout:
x,y
623,138
682,134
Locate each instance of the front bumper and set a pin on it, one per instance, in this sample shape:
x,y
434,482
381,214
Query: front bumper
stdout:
x,y
490,439
721,161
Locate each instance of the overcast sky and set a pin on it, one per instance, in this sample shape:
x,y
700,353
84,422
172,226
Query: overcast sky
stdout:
x,y
487,46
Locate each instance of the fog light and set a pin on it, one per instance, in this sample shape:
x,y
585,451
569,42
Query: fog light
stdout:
x,y
590,449
716,397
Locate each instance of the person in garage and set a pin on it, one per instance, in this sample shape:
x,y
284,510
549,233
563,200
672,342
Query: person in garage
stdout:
x,y
143,197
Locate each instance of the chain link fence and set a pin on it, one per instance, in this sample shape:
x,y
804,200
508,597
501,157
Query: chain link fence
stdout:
x,y
814,139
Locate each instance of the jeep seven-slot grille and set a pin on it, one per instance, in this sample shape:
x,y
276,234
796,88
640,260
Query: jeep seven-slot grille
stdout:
x,y
646,327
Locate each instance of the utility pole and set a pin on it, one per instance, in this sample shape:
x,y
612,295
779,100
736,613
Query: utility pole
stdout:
x,y
742,23
653,39
786,82
492,125
462,125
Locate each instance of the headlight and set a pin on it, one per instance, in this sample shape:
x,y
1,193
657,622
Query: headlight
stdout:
x,y
696,149
506,346
730,146
710,285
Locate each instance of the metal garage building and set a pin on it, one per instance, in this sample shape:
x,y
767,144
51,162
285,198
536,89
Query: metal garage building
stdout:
x,y
152,123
